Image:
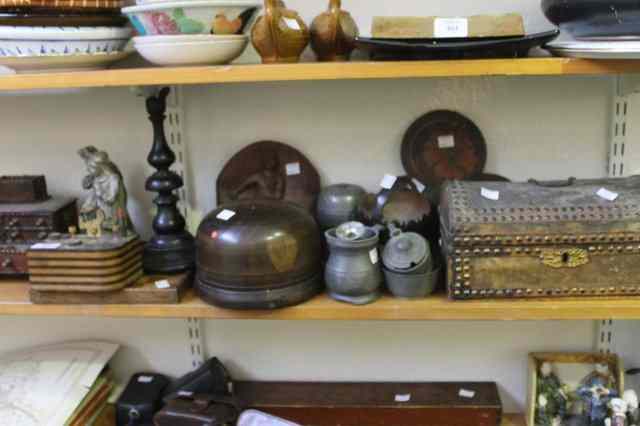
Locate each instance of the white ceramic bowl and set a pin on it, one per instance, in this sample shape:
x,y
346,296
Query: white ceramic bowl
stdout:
x,y
190,50
44,41
218,17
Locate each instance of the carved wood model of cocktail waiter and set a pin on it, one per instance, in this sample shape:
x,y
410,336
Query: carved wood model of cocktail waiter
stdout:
x,y
105,209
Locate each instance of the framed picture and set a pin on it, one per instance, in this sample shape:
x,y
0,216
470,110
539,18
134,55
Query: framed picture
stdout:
x,y
571,386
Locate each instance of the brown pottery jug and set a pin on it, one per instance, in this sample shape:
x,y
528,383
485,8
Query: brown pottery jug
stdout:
x,y
280,35
333,34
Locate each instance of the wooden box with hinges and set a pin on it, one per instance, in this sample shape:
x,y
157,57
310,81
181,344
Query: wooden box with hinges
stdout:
x,y
542,239
376,404
22,224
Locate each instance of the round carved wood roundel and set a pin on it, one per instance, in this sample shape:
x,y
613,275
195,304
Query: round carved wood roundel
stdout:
x,y
443,145
269,171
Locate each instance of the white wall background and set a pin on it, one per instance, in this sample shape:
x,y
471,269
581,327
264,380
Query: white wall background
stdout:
x,y
351,131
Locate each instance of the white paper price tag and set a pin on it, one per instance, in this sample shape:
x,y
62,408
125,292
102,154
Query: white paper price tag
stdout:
x,y
185,393
373,255
46,246
292,23
419,186
226,214
293,169
465,393
145,379
162,284
450,28
446,141
490,194
388,181
606,194
404,397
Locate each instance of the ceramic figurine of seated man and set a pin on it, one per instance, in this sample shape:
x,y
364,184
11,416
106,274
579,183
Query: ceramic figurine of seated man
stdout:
x,y
596,390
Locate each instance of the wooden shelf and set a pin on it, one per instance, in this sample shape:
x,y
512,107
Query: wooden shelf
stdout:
x,y
14,300
316,71
513,420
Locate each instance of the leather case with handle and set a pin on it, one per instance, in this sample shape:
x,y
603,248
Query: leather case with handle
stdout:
x,y
542,239
140,400
211,378
186,409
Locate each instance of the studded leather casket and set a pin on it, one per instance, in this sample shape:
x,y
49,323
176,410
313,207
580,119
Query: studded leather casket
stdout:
x,y
542,239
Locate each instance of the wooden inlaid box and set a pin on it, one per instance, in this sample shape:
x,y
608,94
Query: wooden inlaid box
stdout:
x,y
23,224
541,239
376,404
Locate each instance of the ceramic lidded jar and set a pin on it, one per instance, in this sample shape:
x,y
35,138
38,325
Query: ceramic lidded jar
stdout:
x,y
280,35
338,204
352,273
333,34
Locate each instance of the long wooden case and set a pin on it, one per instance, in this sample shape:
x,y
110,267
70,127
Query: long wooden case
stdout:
x,y
542,239
375,404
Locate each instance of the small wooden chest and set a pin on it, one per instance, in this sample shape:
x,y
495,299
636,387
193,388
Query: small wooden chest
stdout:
x,y
572,238
376,404
23,189
24,224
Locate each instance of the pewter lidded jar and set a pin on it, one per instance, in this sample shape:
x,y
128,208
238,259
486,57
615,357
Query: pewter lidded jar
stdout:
x,y
353,273
338,204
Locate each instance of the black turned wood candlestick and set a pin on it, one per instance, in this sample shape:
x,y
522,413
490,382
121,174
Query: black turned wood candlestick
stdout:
x,y
172,248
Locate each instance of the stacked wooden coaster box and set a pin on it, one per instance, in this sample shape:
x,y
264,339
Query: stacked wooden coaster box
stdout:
x,y
78,269
85,264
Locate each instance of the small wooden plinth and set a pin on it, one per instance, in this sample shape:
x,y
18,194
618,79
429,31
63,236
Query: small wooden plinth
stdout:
x,y
143,292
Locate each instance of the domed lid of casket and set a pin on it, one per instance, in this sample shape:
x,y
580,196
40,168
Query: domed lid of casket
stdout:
x,y
261,244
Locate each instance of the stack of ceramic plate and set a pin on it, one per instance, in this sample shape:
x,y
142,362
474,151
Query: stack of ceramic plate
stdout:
x,y
38,35
63,48
192,32
600,29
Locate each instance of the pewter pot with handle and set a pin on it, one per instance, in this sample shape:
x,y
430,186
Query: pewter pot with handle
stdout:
x,y
352,273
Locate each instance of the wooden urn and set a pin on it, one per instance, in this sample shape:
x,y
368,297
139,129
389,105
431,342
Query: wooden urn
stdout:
x,y
280,35
333,34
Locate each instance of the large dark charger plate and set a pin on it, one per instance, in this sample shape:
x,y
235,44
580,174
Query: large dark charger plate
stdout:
x,y
52,18
469,48
425,159
259,172
595,18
